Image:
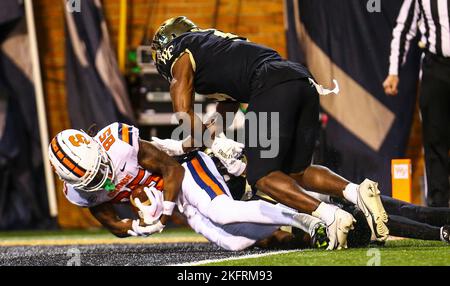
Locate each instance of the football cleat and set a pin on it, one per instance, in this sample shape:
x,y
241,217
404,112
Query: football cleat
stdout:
x,y
445,233
319,237
339,229
369,202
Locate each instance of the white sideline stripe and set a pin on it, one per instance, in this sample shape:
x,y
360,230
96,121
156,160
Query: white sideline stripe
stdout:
x,y
236,258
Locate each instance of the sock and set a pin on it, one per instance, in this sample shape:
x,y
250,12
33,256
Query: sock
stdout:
x,y
305,222
326,213
320,197
309,223
351,193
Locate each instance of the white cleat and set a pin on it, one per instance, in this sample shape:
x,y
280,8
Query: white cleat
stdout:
x,y
339,229
369,202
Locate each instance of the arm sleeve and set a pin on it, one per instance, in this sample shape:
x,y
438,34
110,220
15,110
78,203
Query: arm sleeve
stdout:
x,y
403,33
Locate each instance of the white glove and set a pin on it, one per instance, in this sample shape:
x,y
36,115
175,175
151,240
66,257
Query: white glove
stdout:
x,y
151,214
137,230
225,148
169,146
234,166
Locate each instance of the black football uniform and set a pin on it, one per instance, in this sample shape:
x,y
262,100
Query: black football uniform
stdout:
x,y
405,219
228,67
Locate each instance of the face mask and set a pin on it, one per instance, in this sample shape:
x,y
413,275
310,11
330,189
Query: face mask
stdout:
x,y
109,186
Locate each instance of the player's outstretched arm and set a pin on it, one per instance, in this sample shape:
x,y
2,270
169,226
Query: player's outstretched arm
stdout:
x,y
107,216
154,160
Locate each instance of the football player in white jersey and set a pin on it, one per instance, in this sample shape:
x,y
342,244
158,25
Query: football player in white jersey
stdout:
x,y
103,170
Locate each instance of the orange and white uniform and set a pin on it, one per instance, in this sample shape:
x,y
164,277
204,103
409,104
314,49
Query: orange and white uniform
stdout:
x,y
120,141
202,182
204,198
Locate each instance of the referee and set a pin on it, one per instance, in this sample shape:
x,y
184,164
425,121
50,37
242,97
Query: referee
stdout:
x,y
431,19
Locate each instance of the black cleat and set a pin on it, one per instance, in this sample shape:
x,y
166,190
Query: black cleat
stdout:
x,y
445,233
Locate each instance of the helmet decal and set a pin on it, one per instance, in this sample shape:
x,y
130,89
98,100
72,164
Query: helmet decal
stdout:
x,y
78,139
165,55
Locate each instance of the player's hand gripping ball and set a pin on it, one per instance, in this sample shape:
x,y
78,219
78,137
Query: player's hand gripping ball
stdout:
x,y
147,202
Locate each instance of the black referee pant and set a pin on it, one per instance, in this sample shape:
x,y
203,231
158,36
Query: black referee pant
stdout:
x,y
435,111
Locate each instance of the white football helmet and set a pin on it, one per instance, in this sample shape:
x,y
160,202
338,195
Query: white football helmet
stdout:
x,y
80,161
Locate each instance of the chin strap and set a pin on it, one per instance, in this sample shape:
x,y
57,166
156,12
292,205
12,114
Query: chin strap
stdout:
x,y
323,91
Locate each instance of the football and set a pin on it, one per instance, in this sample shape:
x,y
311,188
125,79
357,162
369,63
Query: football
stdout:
x,y
153,202
141,195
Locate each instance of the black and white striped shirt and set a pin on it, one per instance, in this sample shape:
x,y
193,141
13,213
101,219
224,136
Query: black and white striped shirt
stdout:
x,y
429,17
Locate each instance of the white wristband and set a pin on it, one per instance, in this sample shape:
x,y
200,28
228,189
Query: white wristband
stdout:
x,y
168,208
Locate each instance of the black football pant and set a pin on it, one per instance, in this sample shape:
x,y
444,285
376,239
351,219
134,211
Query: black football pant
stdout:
x,y
412,221
293,108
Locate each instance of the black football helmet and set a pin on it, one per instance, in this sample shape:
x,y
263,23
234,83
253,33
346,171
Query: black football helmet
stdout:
x,y
169,30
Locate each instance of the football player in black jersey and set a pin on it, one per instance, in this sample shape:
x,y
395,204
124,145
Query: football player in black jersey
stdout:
x,y
211,62
405,219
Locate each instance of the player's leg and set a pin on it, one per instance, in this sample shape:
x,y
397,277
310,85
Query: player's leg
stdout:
x,y
366,195
398,225
313,232
275,110
281,239
321,197
434,216
285,190
308,223
240,236
298,163
205,189
285,240
217,235
265,169
405,227
260,212
321,179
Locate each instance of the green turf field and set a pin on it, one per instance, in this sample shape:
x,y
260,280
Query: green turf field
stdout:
x,y
395,253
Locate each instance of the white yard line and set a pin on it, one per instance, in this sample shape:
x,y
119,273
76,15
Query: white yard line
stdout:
x,y
196,263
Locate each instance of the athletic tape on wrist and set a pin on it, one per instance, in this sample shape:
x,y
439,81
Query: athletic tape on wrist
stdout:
x,y
168,208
